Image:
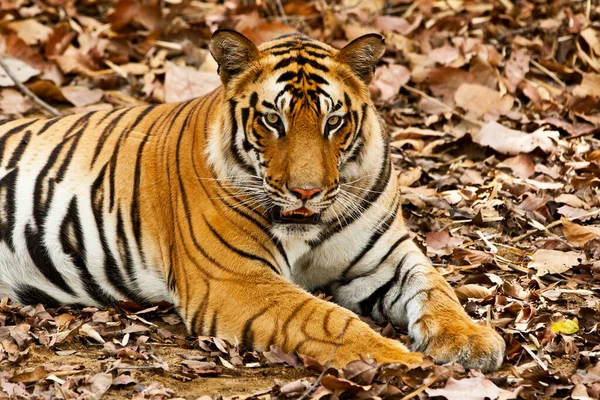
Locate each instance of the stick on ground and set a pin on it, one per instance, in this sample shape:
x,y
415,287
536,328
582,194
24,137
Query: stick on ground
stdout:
x,y
28,92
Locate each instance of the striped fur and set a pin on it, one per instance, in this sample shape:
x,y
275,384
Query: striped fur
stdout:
x,y
175,202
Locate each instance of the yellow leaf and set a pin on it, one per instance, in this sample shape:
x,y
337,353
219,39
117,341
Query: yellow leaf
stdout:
x,y
568,327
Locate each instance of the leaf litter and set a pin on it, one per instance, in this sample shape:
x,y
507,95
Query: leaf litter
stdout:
x,y
493,110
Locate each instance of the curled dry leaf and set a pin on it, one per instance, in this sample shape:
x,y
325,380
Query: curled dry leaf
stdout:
x,y
87,330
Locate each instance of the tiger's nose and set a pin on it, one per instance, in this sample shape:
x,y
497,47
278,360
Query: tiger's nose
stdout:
x,y
305,193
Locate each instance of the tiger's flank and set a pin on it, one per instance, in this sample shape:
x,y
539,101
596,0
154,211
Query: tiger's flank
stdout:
x,y
235,207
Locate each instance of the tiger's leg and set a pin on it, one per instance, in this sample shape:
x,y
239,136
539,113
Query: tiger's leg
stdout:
x,y
406,290
260,309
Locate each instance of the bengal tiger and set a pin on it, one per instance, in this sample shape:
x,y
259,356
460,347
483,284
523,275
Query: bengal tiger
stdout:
x,y
234,207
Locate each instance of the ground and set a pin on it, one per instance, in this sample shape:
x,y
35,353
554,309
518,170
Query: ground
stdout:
x,y
493,110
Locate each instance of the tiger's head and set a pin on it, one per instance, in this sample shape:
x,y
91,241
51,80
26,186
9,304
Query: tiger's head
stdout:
x,y
298,125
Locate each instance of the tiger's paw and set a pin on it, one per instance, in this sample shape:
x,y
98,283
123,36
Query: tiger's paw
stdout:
x,y
471,345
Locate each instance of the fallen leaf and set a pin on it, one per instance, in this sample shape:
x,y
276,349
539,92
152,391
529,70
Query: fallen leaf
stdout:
x,y
579,235
81,96
567,327
30,377
510,141
441,243
554,261
477,388
480,100
473,291
388,80
31,31
19,69
521,166
185,83
516,68
87,330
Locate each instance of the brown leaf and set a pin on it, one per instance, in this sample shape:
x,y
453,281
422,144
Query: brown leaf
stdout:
x,y
521,166
472,291
123,380
510,141
59,40
441,243
81,96
185,83
360,372
477,388
579,235
29,377
31,31
554,261
480,100
388,80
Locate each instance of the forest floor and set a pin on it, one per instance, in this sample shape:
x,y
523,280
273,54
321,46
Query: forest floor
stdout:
x,y
494,111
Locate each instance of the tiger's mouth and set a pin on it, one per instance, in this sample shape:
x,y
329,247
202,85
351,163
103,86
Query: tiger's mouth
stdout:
x,y
301,215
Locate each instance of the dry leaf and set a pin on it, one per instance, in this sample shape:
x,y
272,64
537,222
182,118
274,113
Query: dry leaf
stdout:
x,y
477,388
579,235
388,80
19,69
185,83
509,141
480,100
81,96
554,261
472,291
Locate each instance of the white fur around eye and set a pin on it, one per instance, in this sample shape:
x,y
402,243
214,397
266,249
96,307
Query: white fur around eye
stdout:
x,y
270,126
332,131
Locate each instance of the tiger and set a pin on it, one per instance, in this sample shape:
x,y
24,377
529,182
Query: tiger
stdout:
x,y
236,207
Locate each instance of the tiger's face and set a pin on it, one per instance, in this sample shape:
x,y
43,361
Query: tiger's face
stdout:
x,y
296,108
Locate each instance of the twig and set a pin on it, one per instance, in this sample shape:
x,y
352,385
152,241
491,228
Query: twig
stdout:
x,y
442,104
551,74
421,388
28,92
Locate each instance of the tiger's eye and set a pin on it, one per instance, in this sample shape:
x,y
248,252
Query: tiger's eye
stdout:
x,y
272,119
333,121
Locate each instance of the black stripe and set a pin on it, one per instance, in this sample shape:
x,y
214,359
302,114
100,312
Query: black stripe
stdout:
x,y
382,228
18,152
7,207
377,265
7,135
240,252
112,271
236,152
39,255
367,305
72,242
30,295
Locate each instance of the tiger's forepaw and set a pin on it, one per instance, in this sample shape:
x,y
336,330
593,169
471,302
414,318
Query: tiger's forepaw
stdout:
x,y
472,345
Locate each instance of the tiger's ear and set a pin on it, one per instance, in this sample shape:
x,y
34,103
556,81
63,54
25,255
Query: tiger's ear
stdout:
x,y
233,52
362,55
